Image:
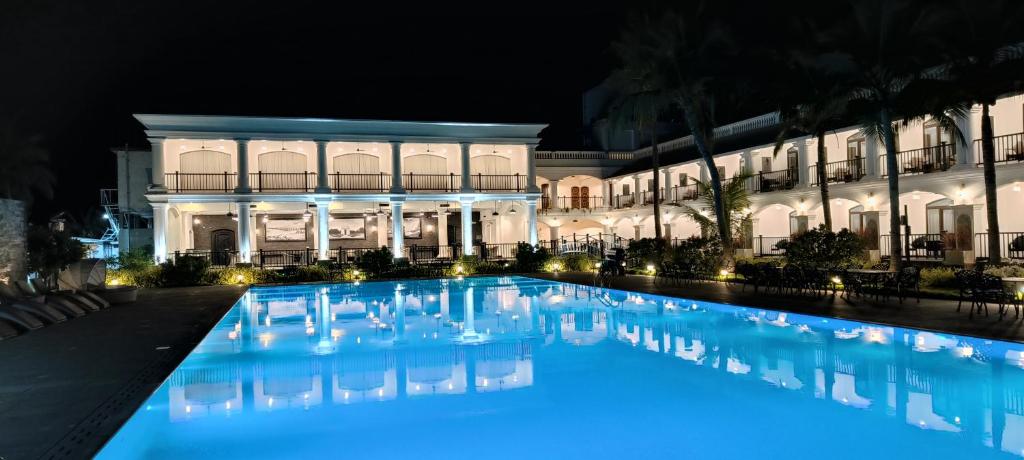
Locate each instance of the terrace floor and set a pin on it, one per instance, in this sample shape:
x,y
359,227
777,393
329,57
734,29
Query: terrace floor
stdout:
x,y
937,315
66,388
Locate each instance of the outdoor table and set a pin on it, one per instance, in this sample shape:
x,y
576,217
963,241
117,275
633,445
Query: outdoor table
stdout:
x,y
871,278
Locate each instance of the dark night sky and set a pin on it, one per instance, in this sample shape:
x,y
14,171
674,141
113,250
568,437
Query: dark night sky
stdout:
x,y
75,72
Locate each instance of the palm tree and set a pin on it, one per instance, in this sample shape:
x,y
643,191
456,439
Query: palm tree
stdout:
x,y
639,106
879,53
26,166
736,200
682,55
984,68
823,106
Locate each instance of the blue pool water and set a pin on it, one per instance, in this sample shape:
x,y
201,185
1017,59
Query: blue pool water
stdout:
x,y
511,367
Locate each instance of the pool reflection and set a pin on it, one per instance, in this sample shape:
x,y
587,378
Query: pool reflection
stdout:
x,y
381,342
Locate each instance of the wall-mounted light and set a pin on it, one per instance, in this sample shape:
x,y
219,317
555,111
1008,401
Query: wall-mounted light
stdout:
x,y
195,220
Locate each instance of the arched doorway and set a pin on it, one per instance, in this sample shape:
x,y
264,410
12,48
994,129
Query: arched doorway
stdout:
x,y
222,245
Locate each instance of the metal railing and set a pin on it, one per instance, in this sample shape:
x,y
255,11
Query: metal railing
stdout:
x,y
200,182
918,245
277,258
771,181
282,182
623,201
1011,245
1008,148
217,259
340,182
498,182
837,172
570,203
648,197
680,193
432,182
768,245
921,161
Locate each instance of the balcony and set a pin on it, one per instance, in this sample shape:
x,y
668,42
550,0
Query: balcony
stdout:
x,y
623,201
773,181
840,172
921,161
569,203
1009,148
681,193
306,182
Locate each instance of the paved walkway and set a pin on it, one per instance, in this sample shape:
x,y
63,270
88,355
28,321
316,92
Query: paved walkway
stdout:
x,y
929,314
66,388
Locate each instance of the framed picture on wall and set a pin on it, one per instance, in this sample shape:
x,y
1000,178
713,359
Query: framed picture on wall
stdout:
x,y
412,227
285,230
348,228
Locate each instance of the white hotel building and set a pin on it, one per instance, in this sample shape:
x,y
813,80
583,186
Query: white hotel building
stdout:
x,y
283,191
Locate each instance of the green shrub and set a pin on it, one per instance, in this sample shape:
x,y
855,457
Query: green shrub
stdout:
x,y
938,277
530,258
184,270
1006,271
377,262
824,249
242,275
646,251
146,276
703,255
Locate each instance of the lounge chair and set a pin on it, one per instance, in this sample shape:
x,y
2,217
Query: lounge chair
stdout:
x,y
79,299
61,303
7,330
45,312
19,318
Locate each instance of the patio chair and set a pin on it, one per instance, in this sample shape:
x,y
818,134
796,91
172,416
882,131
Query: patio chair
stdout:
x,y
27,292
852,284
84,299
965,281
906,281
7,330
793,279
988,289
769,277
749,273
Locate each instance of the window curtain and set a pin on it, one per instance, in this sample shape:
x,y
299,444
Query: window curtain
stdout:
x,y
356,163
204,161
490,165
425,164
282,162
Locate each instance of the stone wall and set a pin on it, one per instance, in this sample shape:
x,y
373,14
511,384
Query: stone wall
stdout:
x,y
13,246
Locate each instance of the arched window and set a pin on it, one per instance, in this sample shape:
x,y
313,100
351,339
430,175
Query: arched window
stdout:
x,y
425,164
490,165
584,197
282,161
204,161
356,163
575,197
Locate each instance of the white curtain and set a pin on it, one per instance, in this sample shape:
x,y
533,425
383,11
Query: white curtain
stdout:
x,y
204,161
356,163
490,165
282,162
425,164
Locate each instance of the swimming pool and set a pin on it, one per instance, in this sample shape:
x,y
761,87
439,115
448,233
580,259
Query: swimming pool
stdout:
x,y
513,367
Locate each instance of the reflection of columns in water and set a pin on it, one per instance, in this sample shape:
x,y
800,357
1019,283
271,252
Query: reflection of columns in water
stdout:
x,y
610,320
556,325
534,310
247,318
900,360
445,305
324,322
829,364
399,315
467,303
470,368
998,404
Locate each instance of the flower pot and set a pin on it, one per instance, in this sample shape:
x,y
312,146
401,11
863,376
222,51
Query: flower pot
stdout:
x,y
118,294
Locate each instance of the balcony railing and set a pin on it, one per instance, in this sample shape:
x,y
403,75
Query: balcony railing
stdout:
x,y
498,182
919,245
648,197
1009,148
1011,245
922,161
681,193
432,182
569,203
838,172
360,182
623,201
282,182
177,182
772,181
768,245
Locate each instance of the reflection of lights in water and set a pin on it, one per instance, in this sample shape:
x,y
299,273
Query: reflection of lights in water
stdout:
x,y
417,387
965,351
956,420
270,402
450,386
227,405
232,335
380,392
265,338
336,334
431,298
188,409
266,321
359,340
310,330
485,382
345,395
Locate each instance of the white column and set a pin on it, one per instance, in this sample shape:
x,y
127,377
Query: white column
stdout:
x,y
467,228
323,227
243,233
667,184
396,168
553,232
531,169
607,192
243,166
965,153
553,194
636,190
747,157
871,149
470,313
382,230
157,156
531,222
397,237
159,232
442,233
636,232
322,185
802,162
467,186
705,173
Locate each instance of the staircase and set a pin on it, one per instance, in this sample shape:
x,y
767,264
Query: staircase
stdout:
x,y
108,199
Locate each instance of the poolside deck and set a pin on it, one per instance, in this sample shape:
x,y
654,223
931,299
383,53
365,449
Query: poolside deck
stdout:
x,y
930,314
66,388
